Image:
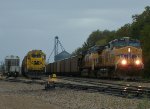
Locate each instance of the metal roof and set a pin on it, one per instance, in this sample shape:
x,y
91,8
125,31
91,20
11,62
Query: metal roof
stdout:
x,y
62,56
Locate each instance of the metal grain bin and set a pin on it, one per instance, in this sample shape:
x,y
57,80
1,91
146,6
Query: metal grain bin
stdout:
x,y
62,55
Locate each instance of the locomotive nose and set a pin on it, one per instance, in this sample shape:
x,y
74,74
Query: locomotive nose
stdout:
x,y
36,62
130,61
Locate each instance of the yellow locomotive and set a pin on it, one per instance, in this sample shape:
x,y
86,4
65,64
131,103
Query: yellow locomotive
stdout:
x,y
120,57
33,64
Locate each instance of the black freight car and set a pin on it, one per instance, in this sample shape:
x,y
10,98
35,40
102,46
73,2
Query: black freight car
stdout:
x,y
67,66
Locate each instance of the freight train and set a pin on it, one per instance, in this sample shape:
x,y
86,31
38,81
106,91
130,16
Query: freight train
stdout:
x,y
119,58
33,64
11,66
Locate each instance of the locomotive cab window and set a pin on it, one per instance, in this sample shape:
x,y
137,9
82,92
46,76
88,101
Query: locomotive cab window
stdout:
x,y
134,43
36,55
44,57
119,43
124,42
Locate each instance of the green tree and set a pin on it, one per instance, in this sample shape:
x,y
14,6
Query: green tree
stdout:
x,y
138,29
145,39
93,37
124,31
139,21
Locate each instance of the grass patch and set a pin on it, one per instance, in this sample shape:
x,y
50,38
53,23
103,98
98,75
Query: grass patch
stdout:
x,y
144,104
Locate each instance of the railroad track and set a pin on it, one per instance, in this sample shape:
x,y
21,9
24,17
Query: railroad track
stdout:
x,y
103,87
93,86
115,79
98,82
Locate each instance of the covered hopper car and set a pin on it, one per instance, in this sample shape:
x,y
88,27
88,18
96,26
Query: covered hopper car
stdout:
x,y
11,66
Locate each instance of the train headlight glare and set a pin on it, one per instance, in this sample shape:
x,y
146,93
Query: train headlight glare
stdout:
x,y
129,50
137,62
124,62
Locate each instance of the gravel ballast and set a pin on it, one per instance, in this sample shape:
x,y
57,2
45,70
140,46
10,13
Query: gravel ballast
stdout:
x,y
14,95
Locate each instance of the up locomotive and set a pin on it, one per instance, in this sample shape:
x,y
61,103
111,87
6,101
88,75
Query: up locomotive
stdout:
x,y
33,64
119,58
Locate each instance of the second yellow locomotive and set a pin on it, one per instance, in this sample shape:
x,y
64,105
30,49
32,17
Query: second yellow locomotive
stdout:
x,y
33,64
120,57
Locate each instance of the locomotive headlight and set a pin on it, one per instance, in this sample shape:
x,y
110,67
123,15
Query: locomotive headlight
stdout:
x,y
124,62
137,62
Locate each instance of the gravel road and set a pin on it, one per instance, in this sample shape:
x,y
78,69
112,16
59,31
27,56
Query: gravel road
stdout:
x,y
32,96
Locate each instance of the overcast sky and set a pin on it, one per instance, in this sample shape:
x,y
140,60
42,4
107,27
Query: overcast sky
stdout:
x,y
33,24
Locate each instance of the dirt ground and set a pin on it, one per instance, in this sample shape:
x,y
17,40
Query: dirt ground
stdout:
x,y
14,95
23,102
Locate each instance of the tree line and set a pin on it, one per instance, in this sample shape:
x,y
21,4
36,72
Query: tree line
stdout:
x,y
138,29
